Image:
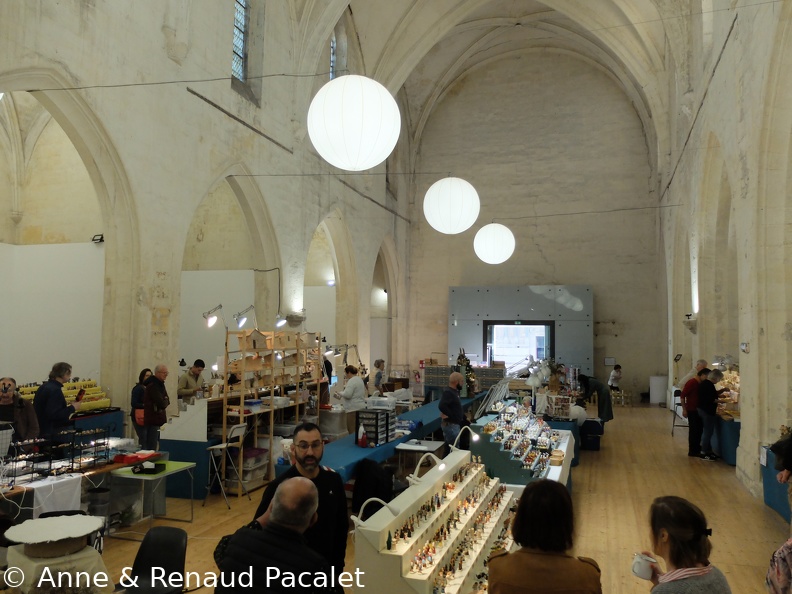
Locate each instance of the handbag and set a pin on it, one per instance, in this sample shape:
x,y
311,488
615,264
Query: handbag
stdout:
x,y
139,416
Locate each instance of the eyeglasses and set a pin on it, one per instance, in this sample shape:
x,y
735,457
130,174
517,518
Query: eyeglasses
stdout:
x,y
304,447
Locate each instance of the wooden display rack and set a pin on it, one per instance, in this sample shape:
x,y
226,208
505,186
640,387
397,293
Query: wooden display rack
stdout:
x,y
265,363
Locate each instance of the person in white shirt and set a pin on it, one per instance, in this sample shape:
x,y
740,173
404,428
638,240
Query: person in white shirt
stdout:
x,y
615,378
353,395
700,364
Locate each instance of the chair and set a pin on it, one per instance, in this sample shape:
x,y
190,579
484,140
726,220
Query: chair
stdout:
x,y
234,438
163,547
96,540
676,411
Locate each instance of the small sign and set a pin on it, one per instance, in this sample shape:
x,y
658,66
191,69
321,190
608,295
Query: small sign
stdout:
x,y
763,455
610,360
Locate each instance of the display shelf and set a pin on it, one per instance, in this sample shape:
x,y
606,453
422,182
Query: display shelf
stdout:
x,y
503,433
442,529
265,365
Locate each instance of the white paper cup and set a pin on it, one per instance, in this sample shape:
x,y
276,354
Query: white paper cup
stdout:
x,y
642,566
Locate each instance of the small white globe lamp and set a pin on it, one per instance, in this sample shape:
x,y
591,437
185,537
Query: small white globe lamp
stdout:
x,y
354,122
451,205
494,243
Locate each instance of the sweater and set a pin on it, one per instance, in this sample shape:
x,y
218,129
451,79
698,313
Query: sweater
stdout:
x,y
712,583
328,536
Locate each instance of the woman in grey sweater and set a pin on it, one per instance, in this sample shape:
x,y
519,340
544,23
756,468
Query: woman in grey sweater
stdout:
x,y
681,537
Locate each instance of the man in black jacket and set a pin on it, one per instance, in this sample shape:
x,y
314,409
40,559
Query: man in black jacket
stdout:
x,y
50,404
270,555
328,536
450,407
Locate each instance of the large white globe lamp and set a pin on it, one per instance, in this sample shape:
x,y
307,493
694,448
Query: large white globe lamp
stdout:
x,y
494,243
354,122
451,205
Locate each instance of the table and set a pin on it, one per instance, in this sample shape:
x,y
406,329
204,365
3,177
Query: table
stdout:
x,y
727,433
87,561
171,468
418,446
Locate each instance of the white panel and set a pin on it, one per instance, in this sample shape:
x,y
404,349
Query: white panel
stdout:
x,y
55,309
201,291
379,344
574,345
320,311
468,335
8,347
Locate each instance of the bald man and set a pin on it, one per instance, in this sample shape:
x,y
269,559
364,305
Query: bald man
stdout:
x,y
451,410
271,549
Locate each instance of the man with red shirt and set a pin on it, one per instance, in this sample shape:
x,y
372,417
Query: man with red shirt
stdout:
x,y
689,399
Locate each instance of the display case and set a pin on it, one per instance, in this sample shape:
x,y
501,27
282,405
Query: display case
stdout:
x,y
444,529
518,446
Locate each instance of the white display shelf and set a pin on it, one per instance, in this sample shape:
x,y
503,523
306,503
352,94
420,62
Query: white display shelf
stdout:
x,y
379,564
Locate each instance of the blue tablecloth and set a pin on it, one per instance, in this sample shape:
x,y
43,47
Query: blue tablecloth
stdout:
x,y
727,434
775,494
343,455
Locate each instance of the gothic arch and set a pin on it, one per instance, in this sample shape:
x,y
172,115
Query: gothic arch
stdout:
x,y
120,317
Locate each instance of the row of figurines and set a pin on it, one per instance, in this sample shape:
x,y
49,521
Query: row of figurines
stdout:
x,y
520,450
426,557
405,532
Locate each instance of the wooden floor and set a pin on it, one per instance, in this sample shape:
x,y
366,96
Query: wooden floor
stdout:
x,y
612,490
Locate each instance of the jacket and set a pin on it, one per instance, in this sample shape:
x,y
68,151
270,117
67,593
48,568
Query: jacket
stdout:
x,y
51,408
276,546
707,397
531,571
26,424
328,536
155,402
451,406
354,394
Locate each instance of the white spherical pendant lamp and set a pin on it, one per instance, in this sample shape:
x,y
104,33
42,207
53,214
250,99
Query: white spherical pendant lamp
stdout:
x,y
494,243
451,205
354,122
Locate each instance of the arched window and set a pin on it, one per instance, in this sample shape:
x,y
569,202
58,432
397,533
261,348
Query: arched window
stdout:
x,y
333,56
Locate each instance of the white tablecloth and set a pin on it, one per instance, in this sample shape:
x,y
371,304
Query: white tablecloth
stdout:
x,y
56,493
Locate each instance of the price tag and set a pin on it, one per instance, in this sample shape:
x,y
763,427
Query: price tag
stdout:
x,y
763,455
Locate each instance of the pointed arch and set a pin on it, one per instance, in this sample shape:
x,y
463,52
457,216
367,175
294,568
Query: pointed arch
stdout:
x,y
84,129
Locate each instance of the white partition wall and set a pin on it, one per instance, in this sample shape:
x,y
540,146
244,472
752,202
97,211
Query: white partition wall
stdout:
x,y
202,290
55,313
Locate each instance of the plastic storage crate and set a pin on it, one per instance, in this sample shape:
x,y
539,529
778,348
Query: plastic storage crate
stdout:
x,y
380,425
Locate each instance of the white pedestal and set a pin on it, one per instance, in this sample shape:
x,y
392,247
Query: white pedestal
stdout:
x,y
658,386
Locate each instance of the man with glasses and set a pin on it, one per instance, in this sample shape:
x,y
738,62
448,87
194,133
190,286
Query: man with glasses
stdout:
x,y
50,404
328,536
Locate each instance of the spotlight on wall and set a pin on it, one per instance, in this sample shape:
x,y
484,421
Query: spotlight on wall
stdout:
x,y
98,238
211,315
280,321
241,317
182,362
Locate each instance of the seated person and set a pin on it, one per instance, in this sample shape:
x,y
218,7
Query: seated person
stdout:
x,y
543,527
680,536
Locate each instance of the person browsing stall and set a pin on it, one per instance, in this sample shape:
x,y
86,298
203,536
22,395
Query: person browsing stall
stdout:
x,y
604,404
450,407
155,404
50,404
16,410
190,382
275,540
353,395
137,411
689,400
379,365
707,407
543,528
328,536
700,364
